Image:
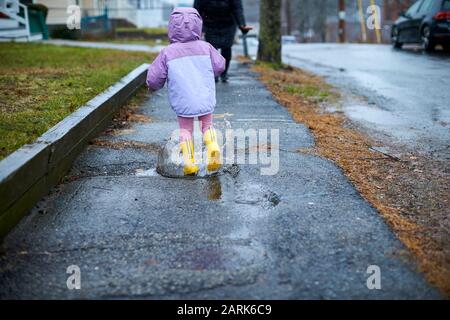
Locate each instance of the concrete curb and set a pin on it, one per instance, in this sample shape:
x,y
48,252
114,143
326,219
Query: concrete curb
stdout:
x,y
30,172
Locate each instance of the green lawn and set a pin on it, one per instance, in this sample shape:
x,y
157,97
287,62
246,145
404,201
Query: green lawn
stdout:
x,y
134,36
148,42
152,31
42,84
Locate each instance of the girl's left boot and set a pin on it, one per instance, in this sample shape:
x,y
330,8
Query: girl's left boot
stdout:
x,y
213,156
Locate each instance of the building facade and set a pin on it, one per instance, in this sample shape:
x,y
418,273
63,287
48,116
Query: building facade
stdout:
x,y
141,13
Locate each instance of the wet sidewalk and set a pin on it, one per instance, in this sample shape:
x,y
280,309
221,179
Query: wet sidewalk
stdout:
x,y
302,233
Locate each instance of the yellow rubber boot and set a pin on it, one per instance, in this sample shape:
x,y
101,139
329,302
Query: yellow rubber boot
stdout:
x,y
213,157
190,167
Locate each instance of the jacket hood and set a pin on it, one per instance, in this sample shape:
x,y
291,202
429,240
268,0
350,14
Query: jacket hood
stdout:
x,y
185,25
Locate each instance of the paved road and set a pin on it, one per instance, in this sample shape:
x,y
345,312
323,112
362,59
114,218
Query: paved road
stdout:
x,y
407,91
303,233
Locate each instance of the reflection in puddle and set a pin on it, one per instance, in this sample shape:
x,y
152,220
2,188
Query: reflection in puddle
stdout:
x,y
232,257
214,188
206,258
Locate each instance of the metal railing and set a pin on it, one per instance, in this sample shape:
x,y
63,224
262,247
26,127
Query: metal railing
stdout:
x,y
12,8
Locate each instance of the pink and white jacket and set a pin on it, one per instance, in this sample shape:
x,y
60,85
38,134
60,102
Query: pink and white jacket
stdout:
x,y
189,65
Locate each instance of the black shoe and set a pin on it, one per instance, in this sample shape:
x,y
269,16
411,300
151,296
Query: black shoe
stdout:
x,y
224,78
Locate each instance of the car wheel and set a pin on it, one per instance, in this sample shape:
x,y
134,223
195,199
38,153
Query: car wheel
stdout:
x,y
427,41
395,36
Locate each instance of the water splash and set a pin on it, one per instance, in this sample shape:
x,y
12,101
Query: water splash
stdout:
x,y
170,160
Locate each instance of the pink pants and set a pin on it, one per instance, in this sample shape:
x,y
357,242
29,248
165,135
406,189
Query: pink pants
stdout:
x,y
187,125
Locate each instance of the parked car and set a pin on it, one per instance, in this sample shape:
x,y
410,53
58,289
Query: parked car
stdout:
x,y
426,22
288,39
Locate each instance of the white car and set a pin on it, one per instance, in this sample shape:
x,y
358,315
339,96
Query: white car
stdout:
x,y
288,39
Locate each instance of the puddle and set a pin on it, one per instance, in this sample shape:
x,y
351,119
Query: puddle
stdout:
x,y
222,185
372,115
380,121
232,191
146,173
206,258
232,257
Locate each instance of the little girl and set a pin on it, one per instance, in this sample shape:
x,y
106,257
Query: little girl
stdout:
x,y
190,66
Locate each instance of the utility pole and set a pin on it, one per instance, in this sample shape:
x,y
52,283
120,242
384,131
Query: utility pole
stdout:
x,y
377,21
362,21
342,35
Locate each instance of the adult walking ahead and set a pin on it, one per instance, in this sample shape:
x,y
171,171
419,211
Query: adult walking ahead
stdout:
x,y
220,20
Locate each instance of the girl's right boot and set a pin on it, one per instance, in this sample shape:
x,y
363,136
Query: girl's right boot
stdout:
x,y
213,157
190,167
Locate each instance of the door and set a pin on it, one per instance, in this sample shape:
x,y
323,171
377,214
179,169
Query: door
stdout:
x,y
446,8
418,18
406,27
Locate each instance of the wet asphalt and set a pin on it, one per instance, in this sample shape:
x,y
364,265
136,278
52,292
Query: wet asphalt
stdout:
x,y
304,233
406,96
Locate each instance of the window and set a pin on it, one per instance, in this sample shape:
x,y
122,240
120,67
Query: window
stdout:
x,y
426,6
413,9
446,5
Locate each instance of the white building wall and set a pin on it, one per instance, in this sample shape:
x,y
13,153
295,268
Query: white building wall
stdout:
x,y
122,9
152,13
149,18
57,13
148,15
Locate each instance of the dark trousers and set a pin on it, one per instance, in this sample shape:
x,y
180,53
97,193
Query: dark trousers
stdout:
x,y
226,53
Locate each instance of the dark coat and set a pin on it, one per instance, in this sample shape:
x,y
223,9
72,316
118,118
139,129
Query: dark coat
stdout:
x,y
220,19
